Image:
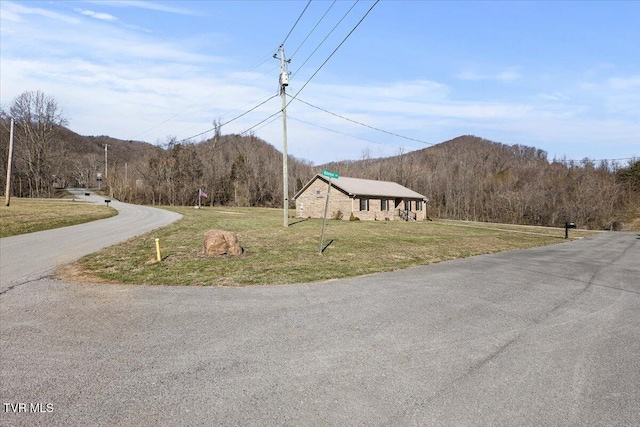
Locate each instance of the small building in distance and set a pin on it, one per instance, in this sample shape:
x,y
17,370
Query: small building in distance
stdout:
x,y
367,199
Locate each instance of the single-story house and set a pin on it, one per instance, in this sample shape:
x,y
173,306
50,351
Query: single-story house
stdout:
x,y
367,199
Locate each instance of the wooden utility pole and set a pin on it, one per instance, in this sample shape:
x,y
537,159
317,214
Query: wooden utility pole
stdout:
x,y
284,82
7,191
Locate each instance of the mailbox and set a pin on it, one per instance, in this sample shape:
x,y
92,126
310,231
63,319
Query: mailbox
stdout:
x,y
87,194
107,201
567,226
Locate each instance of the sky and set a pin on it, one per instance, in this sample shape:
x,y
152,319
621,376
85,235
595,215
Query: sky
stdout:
x,y
367,79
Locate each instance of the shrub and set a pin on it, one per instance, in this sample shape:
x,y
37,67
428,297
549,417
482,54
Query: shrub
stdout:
x,y
337,215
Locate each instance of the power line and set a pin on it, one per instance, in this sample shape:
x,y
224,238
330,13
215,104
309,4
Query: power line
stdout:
x,y
316,72
425,142
274,117
241,76
594,160
338,132
262,121
325,38
313,29
333,53
364,124
294,97
296,23
235,118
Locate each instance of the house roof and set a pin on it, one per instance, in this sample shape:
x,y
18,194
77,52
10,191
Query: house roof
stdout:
x,y
357,187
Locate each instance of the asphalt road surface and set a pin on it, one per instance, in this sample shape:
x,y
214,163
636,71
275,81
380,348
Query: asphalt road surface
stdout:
x,y
545,336
35,255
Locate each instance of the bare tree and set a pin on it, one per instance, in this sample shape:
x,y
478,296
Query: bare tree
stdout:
x,y
37,120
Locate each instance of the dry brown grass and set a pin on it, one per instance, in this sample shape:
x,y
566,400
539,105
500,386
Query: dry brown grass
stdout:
x,y
29,215
274,254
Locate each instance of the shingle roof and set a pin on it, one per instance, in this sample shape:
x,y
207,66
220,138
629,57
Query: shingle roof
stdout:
x,y
357,187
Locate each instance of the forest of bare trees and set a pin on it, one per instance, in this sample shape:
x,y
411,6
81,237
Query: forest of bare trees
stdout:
x,y
467,178
470,178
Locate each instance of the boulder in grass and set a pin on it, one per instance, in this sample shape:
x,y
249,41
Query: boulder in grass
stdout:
x,y
220,242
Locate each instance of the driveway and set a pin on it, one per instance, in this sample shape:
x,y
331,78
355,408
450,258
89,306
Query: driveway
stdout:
x,y
35,255
545,336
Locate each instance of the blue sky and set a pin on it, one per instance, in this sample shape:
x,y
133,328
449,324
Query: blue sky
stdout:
x,y
560,76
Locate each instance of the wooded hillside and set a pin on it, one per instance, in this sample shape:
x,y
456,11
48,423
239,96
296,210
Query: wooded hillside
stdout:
x,y
466,178
470,178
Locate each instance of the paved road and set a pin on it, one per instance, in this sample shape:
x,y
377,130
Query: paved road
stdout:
x,y
546,336
35,255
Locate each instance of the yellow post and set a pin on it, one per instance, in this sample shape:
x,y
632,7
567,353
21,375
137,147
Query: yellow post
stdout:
x,y
158,257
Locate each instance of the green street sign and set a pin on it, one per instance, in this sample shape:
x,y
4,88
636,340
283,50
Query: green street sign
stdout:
x,y
330,174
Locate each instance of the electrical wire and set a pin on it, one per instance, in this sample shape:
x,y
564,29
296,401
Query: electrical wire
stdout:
x,y
316,72
189,111
296,23
261,122
418,140
333,53
275,117
234,119
338,132
364,124
313,29
324,39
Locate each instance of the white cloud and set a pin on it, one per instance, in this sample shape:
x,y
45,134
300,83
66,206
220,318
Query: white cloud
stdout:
x,y
617,95
624,83
553,96
97,15
12,12
147,5
509,74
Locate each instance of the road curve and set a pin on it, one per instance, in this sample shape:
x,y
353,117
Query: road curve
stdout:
x,y
547,336
32,256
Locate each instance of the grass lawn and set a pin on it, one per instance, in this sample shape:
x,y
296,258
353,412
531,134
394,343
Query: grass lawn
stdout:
x,y
29,215
276,255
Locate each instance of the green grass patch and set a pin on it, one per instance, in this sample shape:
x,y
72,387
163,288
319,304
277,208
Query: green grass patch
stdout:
x,y
29,215
276,255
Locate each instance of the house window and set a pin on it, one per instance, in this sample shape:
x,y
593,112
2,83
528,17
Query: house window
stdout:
x,y
384,205
364,204
407,205
418,205
318,193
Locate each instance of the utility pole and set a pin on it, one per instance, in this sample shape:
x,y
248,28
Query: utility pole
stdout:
x,y
284,82
105,162
7,191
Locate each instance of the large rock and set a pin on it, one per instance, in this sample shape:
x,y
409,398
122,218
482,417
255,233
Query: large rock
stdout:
x,y
220,242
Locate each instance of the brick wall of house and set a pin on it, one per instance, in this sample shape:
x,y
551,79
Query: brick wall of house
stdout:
x,y
310,204
375,211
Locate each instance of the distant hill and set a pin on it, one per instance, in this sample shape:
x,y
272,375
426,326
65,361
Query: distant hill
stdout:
x,y
471,178
119,150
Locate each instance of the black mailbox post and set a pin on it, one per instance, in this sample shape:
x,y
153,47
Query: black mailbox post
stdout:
x,y
107,201
567,226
